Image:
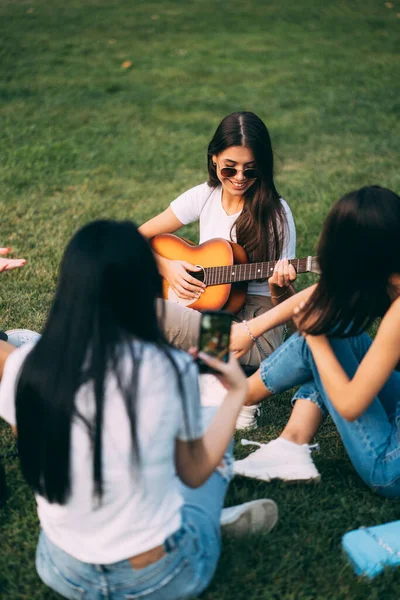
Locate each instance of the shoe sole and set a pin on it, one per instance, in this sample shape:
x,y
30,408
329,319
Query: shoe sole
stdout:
x,y
244,427
289,478
260,517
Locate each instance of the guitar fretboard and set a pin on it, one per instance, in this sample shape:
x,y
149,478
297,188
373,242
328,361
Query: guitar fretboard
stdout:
x,y
247,271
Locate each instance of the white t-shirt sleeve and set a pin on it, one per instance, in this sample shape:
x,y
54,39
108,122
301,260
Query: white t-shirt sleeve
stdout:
x,y
9,382
191,422
289,245
188,206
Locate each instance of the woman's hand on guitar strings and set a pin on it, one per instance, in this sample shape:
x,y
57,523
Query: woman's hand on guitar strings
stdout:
x,y
184,285
241,342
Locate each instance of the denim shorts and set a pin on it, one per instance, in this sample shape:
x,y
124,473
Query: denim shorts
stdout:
x,y
186,569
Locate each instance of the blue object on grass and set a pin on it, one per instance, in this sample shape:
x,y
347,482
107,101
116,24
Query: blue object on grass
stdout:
x,y
371,549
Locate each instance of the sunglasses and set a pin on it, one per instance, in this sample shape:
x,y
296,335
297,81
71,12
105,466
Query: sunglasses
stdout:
x,y
231,172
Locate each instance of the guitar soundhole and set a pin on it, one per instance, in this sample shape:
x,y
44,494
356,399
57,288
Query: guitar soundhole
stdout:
x,y
199,275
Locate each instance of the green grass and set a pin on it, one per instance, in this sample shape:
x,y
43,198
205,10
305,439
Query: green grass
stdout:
x,y
85,138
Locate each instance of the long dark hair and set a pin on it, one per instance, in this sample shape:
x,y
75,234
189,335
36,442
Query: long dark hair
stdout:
x,y
105,299
261,225
358,250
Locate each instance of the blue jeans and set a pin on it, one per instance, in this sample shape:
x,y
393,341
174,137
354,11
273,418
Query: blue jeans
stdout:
x,y
186,569
373,440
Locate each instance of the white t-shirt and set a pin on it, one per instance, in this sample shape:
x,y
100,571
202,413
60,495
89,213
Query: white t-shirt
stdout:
x,y
204,204
139,509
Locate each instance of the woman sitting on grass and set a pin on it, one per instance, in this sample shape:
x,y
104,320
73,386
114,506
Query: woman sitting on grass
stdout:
x,y
340,370
239,202
107,415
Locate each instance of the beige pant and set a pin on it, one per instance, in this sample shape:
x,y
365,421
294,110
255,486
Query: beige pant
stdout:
x,y
181,327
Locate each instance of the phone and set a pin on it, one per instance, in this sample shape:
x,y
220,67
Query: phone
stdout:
x,y
215,332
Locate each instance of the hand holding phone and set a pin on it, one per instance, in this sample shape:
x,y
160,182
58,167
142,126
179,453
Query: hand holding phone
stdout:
x,y
214,337
229,373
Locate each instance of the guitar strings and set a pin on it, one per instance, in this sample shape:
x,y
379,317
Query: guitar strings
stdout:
x,y
243,272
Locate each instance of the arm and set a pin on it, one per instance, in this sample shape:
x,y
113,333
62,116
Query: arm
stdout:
x,y
241,341
196,460
352,397
284,274
174,271
165,222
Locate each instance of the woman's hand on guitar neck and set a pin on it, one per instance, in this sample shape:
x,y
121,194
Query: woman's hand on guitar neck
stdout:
x,y
280,281
176,273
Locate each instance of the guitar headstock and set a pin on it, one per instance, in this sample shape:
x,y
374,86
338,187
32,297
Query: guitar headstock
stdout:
x,y
314,266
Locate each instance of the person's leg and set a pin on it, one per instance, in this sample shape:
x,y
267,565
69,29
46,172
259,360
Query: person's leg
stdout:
x,y
304,422
371,441
288,457
180,325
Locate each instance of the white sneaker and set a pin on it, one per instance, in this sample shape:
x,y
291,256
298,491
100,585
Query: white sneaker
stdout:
x,y
212,392
280,459
257,516
247,418
18,337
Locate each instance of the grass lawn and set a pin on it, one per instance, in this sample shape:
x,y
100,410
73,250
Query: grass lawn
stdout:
x,y
86,137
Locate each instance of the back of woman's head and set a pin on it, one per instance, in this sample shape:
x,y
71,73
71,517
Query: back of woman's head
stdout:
x,y
105,298
358,250
260,226
109,277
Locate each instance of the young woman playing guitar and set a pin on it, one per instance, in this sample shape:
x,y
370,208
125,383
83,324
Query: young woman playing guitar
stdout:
x,y
239,202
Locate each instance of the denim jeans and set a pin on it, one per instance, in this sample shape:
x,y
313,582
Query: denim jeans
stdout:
x,y
186,569
373,440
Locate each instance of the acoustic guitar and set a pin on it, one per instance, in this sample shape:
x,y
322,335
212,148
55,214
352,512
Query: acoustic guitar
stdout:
x,y
224,269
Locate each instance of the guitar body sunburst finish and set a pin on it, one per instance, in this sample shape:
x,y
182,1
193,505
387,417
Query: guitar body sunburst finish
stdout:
x,y
214,253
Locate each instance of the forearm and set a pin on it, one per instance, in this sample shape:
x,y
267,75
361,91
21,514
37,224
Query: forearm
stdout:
x,y
161,262
279,314
206,454
280,295
339,387
165,222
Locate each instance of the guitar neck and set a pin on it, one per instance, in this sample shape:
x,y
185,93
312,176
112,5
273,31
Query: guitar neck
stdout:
x,y
251,271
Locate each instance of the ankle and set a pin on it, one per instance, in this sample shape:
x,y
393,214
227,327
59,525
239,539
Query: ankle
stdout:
x,y
251,401
296,437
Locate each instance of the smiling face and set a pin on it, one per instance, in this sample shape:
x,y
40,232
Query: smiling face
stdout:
x,y
239,158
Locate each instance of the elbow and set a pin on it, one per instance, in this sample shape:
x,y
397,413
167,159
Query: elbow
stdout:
x,y
349,414
192,481
351,418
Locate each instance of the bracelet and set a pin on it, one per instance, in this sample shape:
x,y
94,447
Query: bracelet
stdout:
x,y
248,330
280,295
